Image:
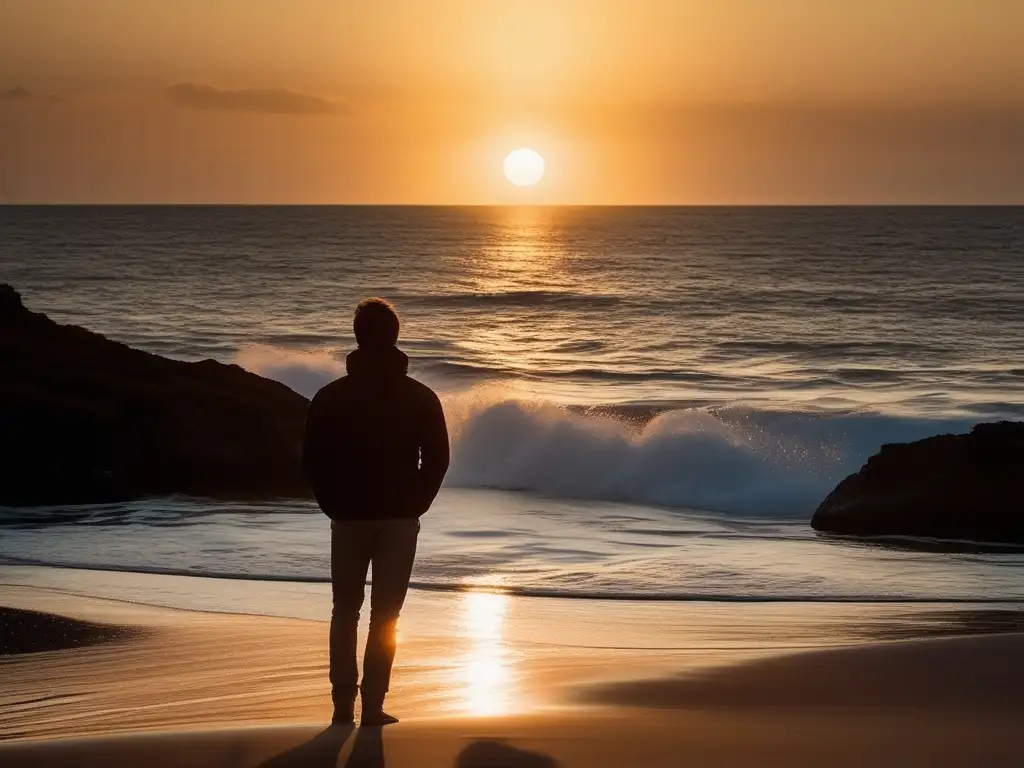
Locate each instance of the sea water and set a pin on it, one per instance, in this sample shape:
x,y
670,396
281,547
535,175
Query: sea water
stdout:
x,y
644,403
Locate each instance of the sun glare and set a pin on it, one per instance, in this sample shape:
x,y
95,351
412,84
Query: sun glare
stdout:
x,y
524,167
488,676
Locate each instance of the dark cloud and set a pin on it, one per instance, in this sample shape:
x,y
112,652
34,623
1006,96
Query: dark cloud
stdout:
x,y
17,94
271,101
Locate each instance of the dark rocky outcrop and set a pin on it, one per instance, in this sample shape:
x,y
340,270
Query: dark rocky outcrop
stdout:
x,y
967,487
88,420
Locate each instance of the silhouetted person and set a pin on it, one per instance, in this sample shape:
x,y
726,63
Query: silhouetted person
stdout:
x,y
375,453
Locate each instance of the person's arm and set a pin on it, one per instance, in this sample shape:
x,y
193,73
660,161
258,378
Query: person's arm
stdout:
x,y
435,454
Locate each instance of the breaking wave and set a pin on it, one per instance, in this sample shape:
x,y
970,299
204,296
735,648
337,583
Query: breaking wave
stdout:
x,y
738,460
728,459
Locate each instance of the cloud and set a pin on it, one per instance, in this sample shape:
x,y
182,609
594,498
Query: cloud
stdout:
x,y
270,101
16,94
19,95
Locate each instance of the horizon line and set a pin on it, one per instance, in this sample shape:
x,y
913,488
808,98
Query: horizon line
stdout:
x,y
504,205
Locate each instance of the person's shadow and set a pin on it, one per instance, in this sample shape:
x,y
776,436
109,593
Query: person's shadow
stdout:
x,y
489,753
322,751
368,749
319,752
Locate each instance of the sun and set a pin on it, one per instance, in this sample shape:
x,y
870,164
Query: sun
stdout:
x,y
524,167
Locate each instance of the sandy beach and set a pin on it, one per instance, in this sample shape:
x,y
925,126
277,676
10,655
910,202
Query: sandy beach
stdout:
x,y
581,384
488,680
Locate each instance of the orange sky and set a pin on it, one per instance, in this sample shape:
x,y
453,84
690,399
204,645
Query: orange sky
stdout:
x,y
417,101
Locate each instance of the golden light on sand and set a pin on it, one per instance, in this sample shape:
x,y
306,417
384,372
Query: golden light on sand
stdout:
x,y
487,674
524,167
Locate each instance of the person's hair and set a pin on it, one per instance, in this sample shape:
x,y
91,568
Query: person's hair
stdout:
x,y
376,323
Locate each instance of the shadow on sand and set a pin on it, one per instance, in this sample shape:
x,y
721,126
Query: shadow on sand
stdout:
x,y
319,752
368,749
323,750
496,754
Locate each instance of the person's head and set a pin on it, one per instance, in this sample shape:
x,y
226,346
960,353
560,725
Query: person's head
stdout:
x,y
376,324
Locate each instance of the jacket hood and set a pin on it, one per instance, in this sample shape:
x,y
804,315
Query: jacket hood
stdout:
x,y
377,363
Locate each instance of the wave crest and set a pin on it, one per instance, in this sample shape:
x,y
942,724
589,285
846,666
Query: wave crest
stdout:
x,y
741,461
735,460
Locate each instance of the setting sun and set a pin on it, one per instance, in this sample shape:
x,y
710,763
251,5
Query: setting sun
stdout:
x,y
524,167
656,364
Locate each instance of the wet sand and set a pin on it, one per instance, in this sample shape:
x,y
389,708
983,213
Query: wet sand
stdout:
x,y
599,686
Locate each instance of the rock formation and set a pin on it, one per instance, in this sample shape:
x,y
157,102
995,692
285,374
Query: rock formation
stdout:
x,y
86,419
968,487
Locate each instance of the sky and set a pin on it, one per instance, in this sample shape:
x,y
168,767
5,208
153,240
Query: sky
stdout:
x,y
691,102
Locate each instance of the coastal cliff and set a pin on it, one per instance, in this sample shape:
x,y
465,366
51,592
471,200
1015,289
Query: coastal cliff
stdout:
x,y
87,420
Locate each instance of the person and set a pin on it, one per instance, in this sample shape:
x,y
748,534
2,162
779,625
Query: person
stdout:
x,y
375,453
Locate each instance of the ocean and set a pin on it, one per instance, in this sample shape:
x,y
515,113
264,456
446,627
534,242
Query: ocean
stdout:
x,y
645,403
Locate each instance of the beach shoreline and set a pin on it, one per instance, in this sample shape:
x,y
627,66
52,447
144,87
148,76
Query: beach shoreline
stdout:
x,y
185,687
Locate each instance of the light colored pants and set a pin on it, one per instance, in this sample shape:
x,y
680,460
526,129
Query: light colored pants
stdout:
x,y
391,546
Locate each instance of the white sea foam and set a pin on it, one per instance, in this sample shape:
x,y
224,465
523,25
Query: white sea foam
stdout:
x,y
737,460
305,372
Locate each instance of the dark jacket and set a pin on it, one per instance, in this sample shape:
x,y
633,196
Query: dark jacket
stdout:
x,y
376,444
